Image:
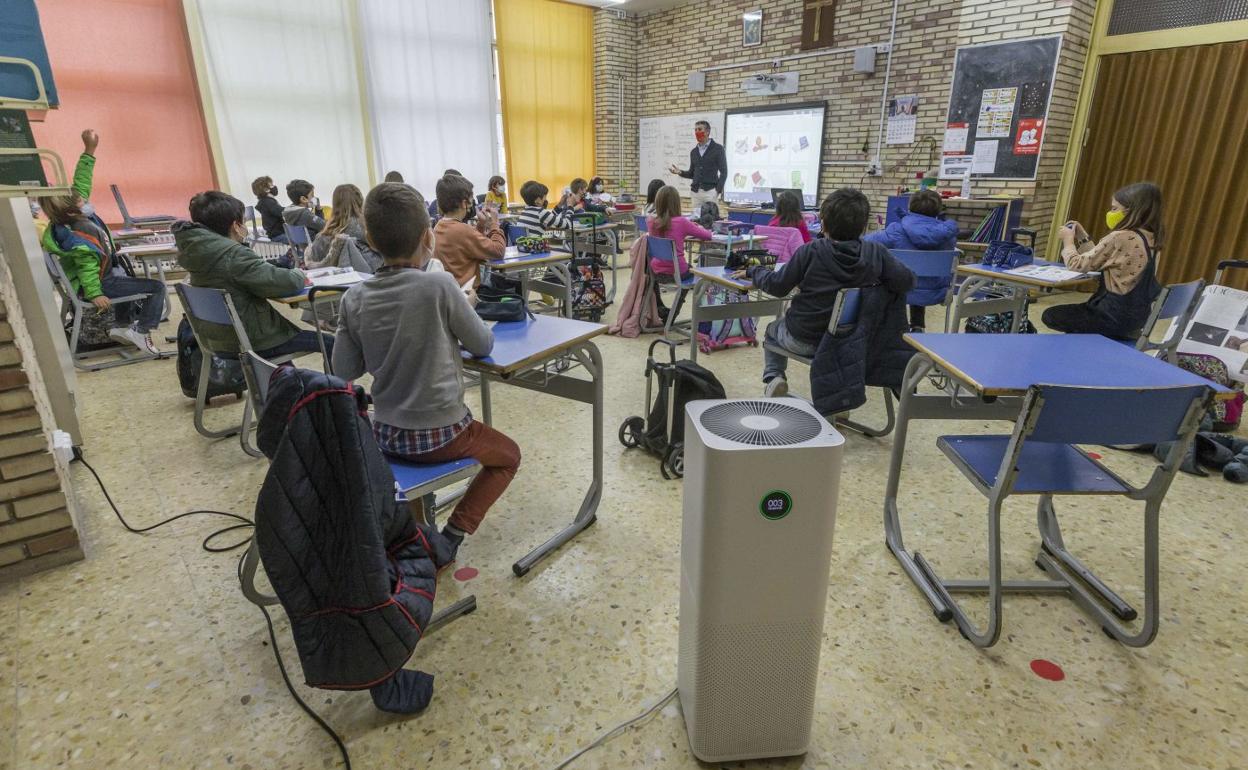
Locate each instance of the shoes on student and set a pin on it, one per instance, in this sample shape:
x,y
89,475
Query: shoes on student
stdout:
x,y
776,387
128,335
449,548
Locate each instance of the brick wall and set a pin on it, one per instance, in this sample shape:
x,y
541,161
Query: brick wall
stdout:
x,y
671,44
615,99
36,530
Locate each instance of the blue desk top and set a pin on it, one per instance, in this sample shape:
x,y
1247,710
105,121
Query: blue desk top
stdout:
x,y
519,344
1008,364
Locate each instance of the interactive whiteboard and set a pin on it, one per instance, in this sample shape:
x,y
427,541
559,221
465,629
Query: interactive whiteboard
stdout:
x,y
774,147
667,140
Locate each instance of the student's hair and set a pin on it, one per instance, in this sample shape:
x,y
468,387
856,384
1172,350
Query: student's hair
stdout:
x,y
530,191
578,186
1142,201
348,206
666,208
451,191
788,209
495,181
704,124
652,190
451,172
394,176
844,214
261,186
62,209
217,211
298,188
396,219
927,203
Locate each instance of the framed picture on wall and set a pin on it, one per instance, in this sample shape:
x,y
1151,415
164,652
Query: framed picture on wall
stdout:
x,y
752,27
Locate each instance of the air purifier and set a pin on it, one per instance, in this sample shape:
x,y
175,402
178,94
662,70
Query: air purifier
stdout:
x,y
760,488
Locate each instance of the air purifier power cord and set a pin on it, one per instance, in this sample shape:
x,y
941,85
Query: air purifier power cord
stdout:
x,y
618,730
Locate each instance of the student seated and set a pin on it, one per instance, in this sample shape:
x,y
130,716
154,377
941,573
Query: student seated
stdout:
x,y
598,192
406,326
1127,260
496,194
820,269
269,209
211,248
342,242
789,214
535,217
922,229
652,192
460,245
669,223
576,199
435,213
304,209
80,240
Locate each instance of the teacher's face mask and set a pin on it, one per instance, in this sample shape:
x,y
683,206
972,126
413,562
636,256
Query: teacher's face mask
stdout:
x,y
700,135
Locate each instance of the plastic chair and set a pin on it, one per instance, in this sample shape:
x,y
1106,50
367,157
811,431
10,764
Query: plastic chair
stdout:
x,y
213,309
299,239
664,250
514,232
1040,458
75,308
639,222
1177,304
844,317
935,273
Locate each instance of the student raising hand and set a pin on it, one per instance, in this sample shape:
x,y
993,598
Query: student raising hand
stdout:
x,y
90,140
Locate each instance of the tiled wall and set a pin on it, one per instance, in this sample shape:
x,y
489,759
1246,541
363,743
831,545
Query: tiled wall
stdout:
x,y
36,530
668,45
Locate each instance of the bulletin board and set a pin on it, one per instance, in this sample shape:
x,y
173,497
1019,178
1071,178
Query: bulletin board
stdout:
x,y
998,108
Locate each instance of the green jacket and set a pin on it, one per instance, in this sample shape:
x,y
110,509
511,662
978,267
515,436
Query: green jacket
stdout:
x,y
217,262
82,264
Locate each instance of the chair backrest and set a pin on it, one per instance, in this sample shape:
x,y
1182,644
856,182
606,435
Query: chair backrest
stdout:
x,y
781,242
640,221
759,217
257,372
845,309
121,206
514,231
211,306
297,235
59,279
929,264
1176,303
1086,415
662,249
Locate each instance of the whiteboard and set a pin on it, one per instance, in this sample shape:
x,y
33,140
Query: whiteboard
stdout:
x,y
668,139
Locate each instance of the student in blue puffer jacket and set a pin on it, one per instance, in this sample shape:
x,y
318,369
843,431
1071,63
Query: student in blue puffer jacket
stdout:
x,y
921,230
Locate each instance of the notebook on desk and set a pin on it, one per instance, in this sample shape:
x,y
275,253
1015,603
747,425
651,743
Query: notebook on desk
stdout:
x,y
1051,273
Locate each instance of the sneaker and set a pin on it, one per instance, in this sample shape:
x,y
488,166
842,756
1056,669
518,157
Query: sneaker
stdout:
x,y
128,335
776,387
450,546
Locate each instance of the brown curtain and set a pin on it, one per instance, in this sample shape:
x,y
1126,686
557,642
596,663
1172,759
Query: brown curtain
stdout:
x,y
1176,117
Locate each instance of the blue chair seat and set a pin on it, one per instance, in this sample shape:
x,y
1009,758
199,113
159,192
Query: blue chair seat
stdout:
x,y
418,479
688,281
1045,467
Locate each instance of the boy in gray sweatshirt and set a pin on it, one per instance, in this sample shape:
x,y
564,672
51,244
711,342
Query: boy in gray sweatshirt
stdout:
x,y
405,327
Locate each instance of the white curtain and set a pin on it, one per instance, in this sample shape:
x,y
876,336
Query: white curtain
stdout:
x,y
430,82
285,92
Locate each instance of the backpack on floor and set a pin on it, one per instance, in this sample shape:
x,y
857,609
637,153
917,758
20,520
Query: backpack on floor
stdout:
x,y
1226,415
685,381
718,335
93,332
224,376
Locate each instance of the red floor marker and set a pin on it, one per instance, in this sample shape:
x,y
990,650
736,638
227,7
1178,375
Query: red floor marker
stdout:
x,y
1045,670
464,574
1094,455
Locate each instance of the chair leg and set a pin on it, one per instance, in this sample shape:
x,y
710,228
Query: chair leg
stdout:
x,y
866,430
201,401
244,435
989,636
465,606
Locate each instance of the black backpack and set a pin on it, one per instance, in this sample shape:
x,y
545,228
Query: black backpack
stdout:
x,y
709,214
689,382
224,377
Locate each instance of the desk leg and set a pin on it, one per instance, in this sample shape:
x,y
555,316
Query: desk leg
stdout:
x,y
160,272
700,289
487,413
591,359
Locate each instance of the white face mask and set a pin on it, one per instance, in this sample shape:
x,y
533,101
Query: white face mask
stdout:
x,y
87,209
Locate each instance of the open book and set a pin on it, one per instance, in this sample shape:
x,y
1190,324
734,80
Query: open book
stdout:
x,y
1050,273
334,276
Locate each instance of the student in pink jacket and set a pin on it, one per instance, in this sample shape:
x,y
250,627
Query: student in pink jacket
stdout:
x,y
668,223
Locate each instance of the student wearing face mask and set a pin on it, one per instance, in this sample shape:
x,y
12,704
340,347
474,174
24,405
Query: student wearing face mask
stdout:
x,y
211,248
304,209
598,192
708,167
269,208
80,240
1127,261
496,195
462,246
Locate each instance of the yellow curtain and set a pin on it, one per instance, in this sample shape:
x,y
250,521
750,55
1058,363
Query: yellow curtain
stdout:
x,y
546,71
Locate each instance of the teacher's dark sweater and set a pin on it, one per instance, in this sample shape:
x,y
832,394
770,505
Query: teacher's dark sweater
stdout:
x,y
708,171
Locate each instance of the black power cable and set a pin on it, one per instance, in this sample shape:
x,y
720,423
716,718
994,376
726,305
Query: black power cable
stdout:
x,y
207,546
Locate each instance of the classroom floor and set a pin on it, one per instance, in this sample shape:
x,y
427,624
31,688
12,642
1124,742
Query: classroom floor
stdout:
x,y
146,654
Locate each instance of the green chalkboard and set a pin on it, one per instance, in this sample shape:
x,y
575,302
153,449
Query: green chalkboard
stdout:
x,y
1000,93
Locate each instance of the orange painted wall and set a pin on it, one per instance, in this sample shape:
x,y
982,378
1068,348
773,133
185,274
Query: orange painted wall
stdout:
x,y
124,68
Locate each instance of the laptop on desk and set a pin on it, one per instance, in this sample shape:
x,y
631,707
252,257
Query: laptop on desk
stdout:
x,y
158,219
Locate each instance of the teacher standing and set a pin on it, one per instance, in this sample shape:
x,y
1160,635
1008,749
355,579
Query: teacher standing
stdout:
x,y
708,167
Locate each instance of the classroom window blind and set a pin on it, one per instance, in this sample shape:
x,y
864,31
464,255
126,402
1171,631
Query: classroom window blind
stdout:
x,y
1131,16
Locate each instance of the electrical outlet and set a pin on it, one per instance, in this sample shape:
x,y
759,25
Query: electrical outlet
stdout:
x,y
873,169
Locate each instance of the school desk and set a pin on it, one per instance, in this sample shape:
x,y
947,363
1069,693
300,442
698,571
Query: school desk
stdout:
x,y
577,240
153,254
992,373
720,246
302,296
529,354
525,265
977,277
709,278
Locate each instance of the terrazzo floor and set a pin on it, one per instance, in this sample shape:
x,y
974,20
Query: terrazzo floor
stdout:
x,y
146,655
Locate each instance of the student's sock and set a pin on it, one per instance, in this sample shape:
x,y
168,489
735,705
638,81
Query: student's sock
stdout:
x,y
407,692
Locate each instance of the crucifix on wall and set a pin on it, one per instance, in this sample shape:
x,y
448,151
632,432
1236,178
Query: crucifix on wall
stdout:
x,y
818,19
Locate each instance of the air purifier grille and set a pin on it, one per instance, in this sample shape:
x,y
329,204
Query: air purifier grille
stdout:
x,y
760,423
